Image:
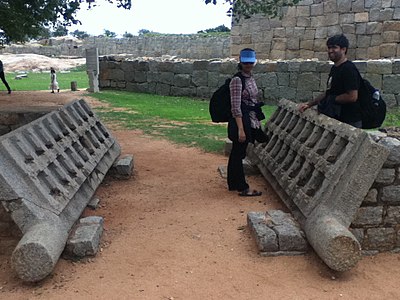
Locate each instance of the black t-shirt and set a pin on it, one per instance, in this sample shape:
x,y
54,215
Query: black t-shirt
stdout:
x,y
342,79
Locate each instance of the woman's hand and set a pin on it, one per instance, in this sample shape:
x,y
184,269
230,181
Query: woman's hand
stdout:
x,y
242,135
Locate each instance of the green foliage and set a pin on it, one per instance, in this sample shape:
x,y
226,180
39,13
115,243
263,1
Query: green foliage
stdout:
x,y
80,34
41,81
60,30
178,119
221,28
109,33
23,19
245,8
145,31
127,35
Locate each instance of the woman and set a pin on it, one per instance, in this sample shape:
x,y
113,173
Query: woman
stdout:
x,y
53,81
244,127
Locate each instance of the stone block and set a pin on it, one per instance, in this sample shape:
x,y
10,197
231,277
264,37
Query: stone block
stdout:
x,y
396,13
303,11
388,50
343,6
348,29
183,68
392,215
363,41
290,238
84,240
396,66
94,203
391,37
374,28
391,83
346,18
385,176
373,3
330,6
200,78
391,194
182,80
368,216
372,197
379,67
283,78
266,238
357,6
361,17
391,26
376,40
373,52
222,170
308,82
123,167
386,14
249,168
382,239
166,78
317,9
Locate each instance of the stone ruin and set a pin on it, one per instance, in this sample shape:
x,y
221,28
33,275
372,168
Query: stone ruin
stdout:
x,y
50,169
323,170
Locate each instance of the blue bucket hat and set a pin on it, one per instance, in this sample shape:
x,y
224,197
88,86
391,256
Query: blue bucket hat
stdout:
x,y
248,56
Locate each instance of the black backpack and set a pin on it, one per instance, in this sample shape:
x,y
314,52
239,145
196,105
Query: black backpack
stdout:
x,y
373,111
220,102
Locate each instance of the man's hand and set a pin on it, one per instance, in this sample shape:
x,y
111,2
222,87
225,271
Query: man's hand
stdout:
x,y
303,107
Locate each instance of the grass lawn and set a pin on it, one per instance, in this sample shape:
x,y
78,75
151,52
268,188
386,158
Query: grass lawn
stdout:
x,y
179,119
41,81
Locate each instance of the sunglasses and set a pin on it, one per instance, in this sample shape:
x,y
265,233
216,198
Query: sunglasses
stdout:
x,y
247,63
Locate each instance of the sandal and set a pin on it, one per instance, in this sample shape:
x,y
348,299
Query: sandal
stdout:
x,y
248,193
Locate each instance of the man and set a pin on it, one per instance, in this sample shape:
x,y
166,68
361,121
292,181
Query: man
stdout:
x,y
3,78
340,99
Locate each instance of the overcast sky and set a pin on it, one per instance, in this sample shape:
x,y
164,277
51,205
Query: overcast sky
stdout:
x,y
163,16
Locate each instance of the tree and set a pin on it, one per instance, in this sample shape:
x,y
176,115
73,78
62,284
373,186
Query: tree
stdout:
x,y
60,30
247,8
109,33
80,34
127,35
146,31
221,28
24,19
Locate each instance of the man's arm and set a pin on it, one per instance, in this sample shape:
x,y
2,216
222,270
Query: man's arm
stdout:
x,y
307,105
348,97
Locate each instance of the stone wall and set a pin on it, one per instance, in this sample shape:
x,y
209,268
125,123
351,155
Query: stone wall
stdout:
x,y
377,222
183,46
372,26
294,80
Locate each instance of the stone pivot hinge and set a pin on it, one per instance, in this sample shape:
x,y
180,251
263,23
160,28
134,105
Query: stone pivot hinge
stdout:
x,y
49,171
322,169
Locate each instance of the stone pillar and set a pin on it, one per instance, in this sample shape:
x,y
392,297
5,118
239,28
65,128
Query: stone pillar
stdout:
x,y
92,69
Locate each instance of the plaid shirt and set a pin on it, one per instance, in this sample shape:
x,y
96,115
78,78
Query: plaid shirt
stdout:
x,y
249,97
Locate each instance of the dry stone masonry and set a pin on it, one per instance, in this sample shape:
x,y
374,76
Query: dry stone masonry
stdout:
x,y
295,80
50,169
372,26
376,224
184,46
322,169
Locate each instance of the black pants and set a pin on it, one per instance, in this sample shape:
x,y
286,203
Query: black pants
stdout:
x,y
3,78
236,178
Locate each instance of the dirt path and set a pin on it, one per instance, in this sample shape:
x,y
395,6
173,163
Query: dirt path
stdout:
x,y
175,232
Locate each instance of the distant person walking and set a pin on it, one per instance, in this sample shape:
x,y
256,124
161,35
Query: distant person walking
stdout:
x,y
3,78
53,82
